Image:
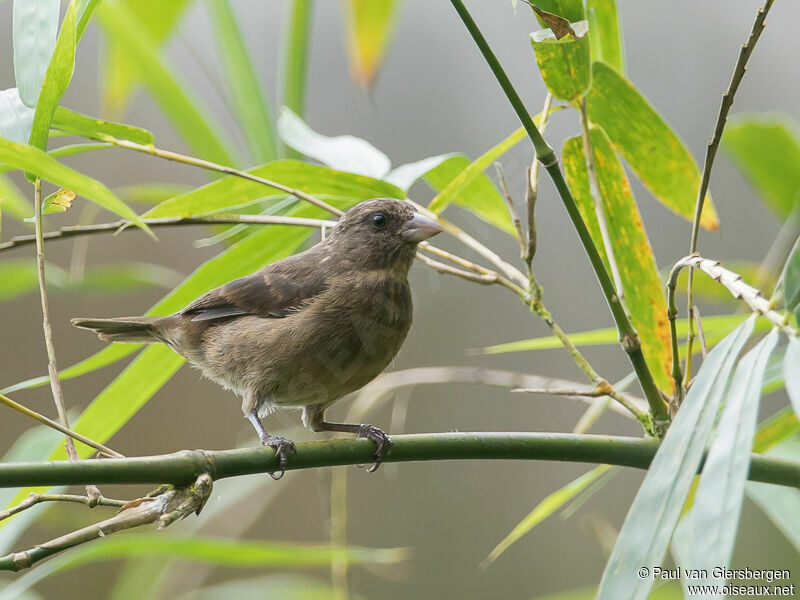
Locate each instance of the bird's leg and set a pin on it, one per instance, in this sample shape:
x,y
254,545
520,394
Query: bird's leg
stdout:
x,y
382,441
279,444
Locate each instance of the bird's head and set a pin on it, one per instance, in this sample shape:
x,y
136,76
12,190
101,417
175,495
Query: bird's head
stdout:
x,y
382,233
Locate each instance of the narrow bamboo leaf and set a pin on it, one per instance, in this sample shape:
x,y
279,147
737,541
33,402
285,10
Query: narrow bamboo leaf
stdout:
x,y
765,147
406,175
295,68
33,160
85,12
13,202
572,10
649,145
564,63
791,372
342,152
245,91
370,24
643,290
790,281
549,505
56,78
216,551
120,71
479,195
235,192
714,518
34,28
605,33
75,123
16,119
775,429
654,513
189,117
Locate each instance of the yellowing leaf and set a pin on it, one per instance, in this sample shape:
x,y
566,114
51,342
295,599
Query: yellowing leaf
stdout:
x,y
370,26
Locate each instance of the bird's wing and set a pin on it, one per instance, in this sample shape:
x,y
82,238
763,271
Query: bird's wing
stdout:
x,y
274,291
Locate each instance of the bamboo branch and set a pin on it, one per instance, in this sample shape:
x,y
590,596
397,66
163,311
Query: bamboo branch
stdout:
x,y
711,152
630,339
533,187
34,499
512,211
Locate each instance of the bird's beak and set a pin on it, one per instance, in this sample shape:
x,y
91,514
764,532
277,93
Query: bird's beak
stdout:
x,y
419,228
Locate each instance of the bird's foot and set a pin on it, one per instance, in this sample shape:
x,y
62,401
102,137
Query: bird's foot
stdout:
x,y
382,441
282,447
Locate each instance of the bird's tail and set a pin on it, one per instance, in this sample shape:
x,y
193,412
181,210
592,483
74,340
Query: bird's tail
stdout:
x,y
124,329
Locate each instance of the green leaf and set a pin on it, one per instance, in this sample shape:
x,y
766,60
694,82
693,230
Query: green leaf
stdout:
x,y
370,25
190,119
654,513
572,10
12,201
791,372
244,89
605,33
643,290
150,193
775,429
59,201
234,192
549,505
16,119
33,160
765,147
790,279
18,277
75,123
406,175
57,77
265,586
87,8
649,145
295,67
564,63
34,28
713,521
215,551
343,152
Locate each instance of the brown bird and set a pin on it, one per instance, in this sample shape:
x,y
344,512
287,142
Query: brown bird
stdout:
x,y
306,330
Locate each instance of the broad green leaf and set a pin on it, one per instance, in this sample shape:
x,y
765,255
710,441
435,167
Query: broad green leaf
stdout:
x,y
549,505
406,175
296,53
33,160
649,145
765,147
235,192
791,372
643,290
12,201
790,279
34,28
370,24
120,71
189,117
654,513
16,119
714,519
56,78
565,64
343,152
76,123
217,551
244,89
572,10
605,33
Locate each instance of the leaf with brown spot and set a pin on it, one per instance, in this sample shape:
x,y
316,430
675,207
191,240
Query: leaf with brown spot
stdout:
x,y
559,25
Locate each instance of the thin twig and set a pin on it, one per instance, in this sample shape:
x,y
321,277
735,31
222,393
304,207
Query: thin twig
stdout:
x,y
24,410
597,200
533,187
511,210
34,499
52,368
711,152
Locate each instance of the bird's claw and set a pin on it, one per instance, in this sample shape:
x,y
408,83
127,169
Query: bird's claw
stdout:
x,y
281,446
382,441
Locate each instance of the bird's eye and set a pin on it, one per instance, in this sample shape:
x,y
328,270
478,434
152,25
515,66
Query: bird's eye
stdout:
x,y
379,220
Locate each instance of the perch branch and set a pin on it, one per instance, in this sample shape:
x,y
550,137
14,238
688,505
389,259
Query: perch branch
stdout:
x,y
34,499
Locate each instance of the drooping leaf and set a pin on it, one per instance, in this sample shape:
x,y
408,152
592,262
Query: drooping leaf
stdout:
x,y
791,372
16,119
643,290
187,114
245,91
370,24
342,152
76,123
549,505
651,148
406,175
564,62
34,28
59,201
765,147
714,519
654,513
605,33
